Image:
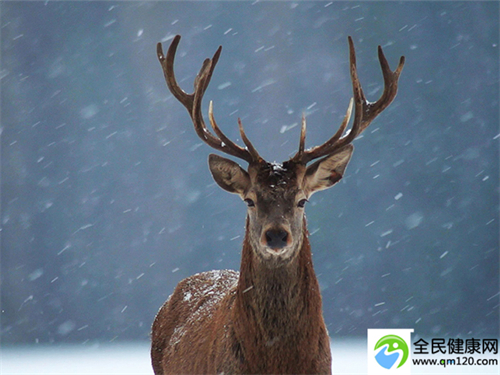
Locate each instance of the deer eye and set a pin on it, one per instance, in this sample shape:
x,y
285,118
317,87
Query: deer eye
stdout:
x,y
249,202
302,203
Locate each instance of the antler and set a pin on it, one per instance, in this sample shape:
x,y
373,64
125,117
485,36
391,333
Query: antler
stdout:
x,y
364,111
192,102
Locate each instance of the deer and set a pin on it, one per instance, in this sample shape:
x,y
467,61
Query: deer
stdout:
x,y
267,318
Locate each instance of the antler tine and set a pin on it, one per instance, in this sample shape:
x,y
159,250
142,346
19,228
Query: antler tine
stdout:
x,y
192,102
168,71
302,141
359,100
251,149
364,111
319,151
390,87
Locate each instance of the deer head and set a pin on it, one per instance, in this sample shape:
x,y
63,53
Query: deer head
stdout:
x,y
276,193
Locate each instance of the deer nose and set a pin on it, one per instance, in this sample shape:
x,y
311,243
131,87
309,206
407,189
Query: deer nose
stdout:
x,y
276,238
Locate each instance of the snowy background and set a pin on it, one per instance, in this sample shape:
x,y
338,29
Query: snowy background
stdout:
x,y
107,201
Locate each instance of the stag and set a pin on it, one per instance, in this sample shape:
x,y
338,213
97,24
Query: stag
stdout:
x,y
267,318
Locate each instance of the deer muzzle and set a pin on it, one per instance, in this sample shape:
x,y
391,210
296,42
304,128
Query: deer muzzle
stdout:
x,y
276,238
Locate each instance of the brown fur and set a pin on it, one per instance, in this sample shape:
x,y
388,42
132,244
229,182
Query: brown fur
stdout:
x,y
260,321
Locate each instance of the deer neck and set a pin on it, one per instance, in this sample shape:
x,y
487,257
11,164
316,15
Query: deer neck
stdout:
x,y
278,302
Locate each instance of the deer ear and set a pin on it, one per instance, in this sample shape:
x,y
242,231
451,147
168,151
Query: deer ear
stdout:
x,y
328,171
228,175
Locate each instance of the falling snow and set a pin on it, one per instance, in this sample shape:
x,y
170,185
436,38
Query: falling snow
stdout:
x,y
108,202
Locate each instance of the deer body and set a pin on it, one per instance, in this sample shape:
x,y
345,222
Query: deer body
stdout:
x,y
256,322
266,319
